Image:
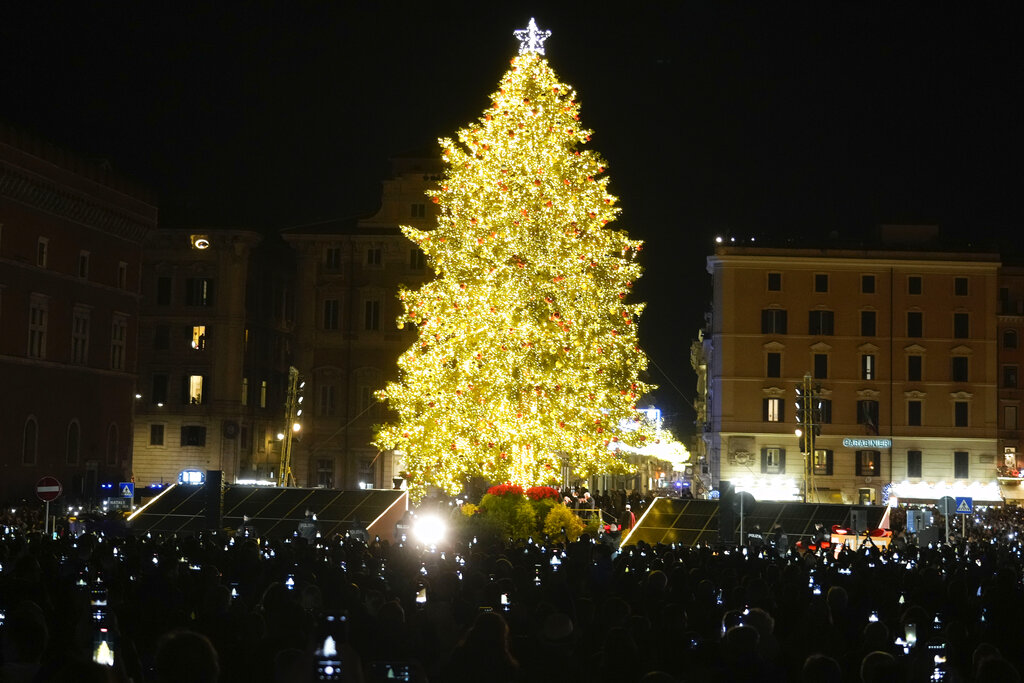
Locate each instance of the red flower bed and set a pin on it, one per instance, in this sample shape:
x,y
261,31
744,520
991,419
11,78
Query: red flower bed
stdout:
x,y
506,490
542,492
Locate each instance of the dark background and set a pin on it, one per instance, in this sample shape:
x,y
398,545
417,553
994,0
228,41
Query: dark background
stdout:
x,y
792,120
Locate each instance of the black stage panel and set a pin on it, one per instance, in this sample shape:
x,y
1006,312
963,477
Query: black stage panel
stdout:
x,y
273,511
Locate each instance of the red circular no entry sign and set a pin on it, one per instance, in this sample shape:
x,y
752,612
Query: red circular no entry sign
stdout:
x,y
48,489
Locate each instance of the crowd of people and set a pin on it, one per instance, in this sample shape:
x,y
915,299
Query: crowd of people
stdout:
x,y
226,607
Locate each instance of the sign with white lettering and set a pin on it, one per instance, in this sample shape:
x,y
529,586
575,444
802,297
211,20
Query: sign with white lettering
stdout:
x,y
867,443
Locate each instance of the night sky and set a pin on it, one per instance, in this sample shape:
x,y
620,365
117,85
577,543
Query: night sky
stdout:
x,y
792,120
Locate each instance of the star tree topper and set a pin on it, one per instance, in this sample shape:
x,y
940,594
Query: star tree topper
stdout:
x,y
531,39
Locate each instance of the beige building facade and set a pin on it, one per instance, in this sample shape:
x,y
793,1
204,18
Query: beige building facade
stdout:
x,y
902,348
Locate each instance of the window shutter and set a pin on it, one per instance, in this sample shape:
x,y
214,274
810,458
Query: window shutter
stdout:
x,y
764,460
764,410
829,457
782,410
782,461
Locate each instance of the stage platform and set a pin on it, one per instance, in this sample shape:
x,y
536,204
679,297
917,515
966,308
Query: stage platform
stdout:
x,y
272,511
691,522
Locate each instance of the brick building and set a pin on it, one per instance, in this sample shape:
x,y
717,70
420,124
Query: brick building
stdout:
x,y
71,237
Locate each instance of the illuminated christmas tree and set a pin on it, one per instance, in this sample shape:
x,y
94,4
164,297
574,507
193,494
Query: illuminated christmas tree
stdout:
x,y
527,352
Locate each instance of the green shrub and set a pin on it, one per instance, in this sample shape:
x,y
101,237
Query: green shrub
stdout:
x,y
513,515
561,517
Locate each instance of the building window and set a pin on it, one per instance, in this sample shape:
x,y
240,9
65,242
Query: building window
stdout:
x,y
193,435
29,442
820,282
1009,417
325,473
163,291
773,460
159,395
914,368
245,391
371,315
914,284
194,389
156,435
773,364
37,319
822,462
263,394
867,366
199,291
367,401
418,210
821,366
960,413
326,404
72,446
867,415
820,322
122,275
112,444
773,321
961,465
868,463
42,251
915,323
417,259
118,339
913,464
83,264
332,258
80,336
332,308
867,284
162,337
960,286
199,337
958,369
1009,339
961,325
914,413
867,323
824,411
774,282
773,410
373,256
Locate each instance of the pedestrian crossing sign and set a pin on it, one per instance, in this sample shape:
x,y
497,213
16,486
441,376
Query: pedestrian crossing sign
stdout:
x,y
127,489
964,505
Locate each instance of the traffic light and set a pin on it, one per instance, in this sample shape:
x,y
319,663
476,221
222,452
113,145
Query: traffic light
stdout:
x,y
808,413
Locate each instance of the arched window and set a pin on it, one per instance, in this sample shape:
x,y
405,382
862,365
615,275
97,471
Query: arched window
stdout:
x,y
71,452
112,444
30,442
1009,339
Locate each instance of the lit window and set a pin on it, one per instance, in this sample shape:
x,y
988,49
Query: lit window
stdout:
x,y
199,337
867,366
868,463
773,460
195,389
822,463
772,410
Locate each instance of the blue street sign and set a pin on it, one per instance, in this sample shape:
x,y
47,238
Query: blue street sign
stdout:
x,y
127,489
964,505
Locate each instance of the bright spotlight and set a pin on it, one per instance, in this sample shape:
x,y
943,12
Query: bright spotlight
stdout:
x,y
429,530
